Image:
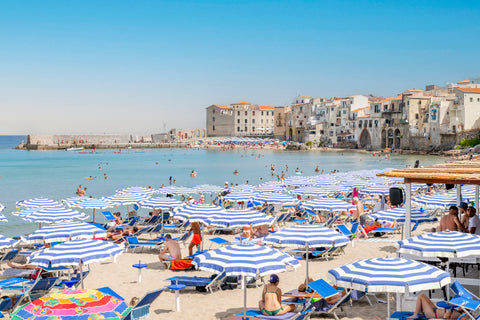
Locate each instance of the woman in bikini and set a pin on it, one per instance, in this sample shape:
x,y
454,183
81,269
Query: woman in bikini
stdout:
x,y
429,309
271,303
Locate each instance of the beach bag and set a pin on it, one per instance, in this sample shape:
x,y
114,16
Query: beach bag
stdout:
x,y
181,264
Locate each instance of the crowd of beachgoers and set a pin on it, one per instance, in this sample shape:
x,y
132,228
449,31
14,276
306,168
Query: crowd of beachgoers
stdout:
x,y
199,244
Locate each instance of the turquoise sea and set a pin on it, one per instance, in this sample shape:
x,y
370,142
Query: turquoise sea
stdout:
x,y
57,174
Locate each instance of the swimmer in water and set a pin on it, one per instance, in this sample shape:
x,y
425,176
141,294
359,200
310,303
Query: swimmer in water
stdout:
x,y
235,172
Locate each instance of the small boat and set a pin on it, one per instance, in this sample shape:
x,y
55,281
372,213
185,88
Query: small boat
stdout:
x,y
74,149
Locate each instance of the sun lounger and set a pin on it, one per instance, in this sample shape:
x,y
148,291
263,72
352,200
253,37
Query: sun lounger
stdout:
x,y
325,290
142,309
219,241
349,233
303,315
208,282
183,238
9,255
109,291
33,289
133,243
108,215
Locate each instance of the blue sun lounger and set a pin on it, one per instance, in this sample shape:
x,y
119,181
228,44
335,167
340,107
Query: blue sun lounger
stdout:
x,y
206,282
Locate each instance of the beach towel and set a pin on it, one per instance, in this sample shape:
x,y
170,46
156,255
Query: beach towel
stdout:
x,y
181,264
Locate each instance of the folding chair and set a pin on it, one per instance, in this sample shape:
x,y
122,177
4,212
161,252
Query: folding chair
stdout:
x,y
142,309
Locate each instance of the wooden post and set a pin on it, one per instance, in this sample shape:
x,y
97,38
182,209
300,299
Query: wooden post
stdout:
x,y
408,210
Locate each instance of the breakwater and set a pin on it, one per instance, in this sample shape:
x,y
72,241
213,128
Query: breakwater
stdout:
x,y
112,141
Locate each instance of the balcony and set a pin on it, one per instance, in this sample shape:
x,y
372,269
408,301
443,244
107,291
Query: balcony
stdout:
x,y
392,111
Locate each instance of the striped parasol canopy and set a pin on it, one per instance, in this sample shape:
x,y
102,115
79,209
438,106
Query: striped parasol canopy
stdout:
x,y
93,203
138,190
75,253
208,188
38,202
71,200
54,214
160,203
389,275
241,218
198,212
328,204
127,198
311,191
273,197
445,244
398,215
2,207
2,217
79,304
238,196
269,187
6,242
437,200
380,189
176,190
66,231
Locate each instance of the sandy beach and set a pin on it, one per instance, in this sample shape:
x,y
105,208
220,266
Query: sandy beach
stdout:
x,y
121,277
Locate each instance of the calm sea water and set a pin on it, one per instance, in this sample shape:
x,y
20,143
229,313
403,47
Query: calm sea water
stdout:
x,y
56,174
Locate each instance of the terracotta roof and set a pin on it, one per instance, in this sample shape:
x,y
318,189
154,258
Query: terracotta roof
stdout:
x,y
239,103
298,104
469,90
364,116
385,100
222,106
359,109
399,97
464,81
266,108
307,97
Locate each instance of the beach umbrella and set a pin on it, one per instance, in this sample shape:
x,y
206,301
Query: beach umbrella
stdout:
x,y
80,304
244,260
2,207
238,196
273,197
66,231
176,190
328,204
398,215
25,212
269,188
2,217
437,200
389,275
92,203
311,191
71,200
445,244
38,202
208,188
127,198
139,190
243,188
75,253
6,242
54,214
306,237
379,189
241,218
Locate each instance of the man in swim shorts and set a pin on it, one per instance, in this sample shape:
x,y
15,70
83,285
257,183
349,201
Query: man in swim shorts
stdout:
x,y
197,237
171,251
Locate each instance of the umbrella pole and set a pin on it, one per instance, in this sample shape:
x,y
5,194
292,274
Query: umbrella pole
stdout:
x,y
161,212
388,305
244,284
306,279
81,275
93,214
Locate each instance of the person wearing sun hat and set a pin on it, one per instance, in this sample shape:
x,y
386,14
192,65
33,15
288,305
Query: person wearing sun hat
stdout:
x,y
271,302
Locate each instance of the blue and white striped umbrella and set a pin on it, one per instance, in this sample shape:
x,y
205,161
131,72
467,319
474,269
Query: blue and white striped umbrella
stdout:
x,y
198,212
54,214
398,215
2,207
208,188
69,201
92,203
389,275
307,235
446,244
38,202
138,190
239,196
297,181
243,188
311,191
176,190
328,204
268,188
25,212
2,217
160,203
274,197
241,218
66,231
6,242
244,260
75,252
379,189
127,198
437,200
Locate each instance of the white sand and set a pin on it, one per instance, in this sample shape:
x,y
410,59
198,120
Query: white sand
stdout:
x,y
122,278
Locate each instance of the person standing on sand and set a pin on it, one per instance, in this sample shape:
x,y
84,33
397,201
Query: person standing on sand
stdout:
x,y
171,251
450,221
359,215
197,237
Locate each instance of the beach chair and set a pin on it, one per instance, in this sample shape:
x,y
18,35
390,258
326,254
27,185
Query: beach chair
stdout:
x,y
133,243
219,241
32,289
108,215
349,233
177,227
109,291
142,309
325,290
210,283
9,255
302,315
183,238
331,221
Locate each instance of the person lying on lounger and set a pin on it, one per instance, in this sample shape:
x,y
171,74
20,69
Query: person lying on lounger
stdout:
x,y
429,309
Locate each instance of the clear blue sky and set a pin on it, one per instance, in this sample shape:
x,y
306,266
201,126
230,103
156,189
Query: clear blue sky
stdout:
x,y
130,66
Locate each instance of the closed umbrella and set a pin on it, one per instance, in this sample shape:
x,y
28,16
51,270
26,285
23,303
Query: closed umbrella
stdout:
x,y
244,260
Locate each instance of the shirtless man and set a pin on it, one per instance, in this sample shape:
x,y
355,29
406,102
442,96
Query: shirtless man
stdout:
x,y
172,248
197,237
79,190
359,215
464,217
450,221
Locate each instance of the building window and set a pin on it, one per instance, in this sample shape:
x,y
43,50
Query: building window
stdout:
x,y
416,116
213,128
471,99
268,113
253,129
246,120
253,113
376,123
246,129
298,131
246,112
238,129
262,113
238,120
301,109
261,120
360,123
253,120
213,119
238,113
213,111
